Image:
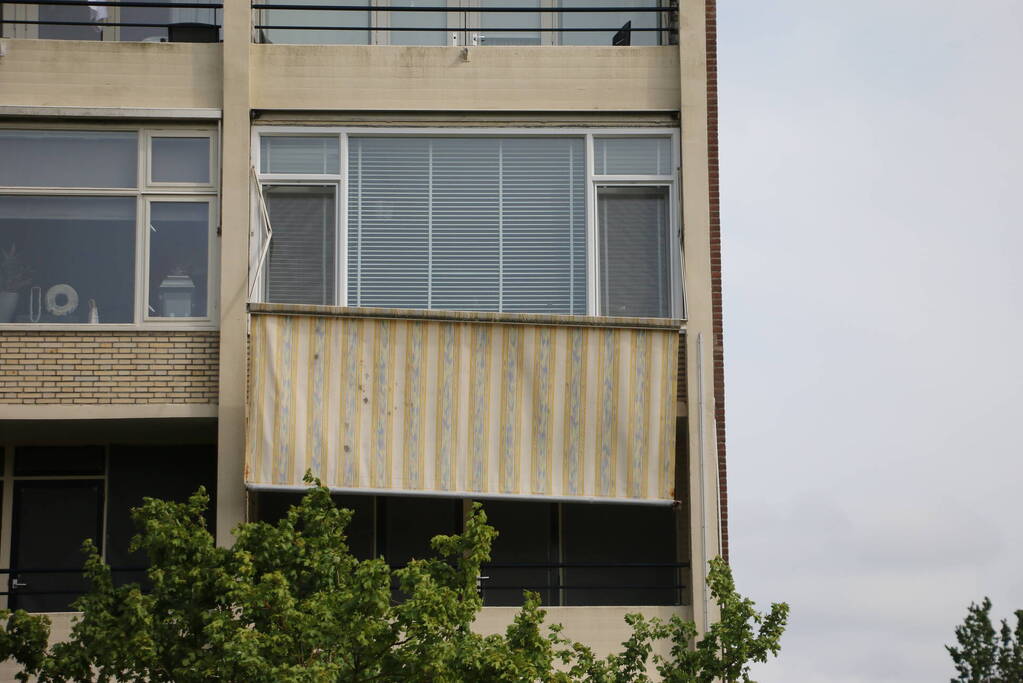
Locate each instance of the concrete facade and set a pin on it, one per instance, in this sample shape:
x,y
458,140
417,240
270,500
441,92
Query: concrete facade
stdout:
x,y
186,373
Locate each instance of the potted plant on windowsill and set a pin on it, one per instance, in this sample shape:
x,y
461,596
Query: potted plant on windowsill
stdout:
x,y
14,276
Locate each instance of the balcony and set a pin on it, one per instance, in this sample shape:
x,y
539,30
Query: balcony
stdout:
x,y
481,405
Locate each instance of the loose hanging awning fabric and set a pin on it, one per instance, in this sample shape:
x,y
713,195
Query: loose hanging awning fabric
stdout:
x,y
382,400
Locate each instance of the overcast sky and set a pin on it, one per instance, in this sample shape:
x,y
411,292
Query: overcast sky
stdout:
x,y
872,186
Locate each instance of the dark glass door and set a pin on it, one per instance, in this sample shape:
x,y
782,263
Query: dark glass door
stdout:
x,y
51,520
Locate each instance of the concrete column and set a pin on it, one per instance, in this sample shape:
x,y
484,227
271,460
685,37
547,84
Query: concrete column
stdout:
x,y
702,496
234,240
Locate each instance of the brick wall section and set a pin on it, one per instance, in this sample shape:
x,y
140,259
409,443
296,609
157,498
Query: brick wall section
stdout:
x,y
715,261
80,367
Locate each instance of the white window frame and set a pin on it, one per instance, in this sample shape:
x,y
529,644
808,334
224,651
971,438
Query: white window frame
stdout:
x,y
678,308
151,185
212,285
143,192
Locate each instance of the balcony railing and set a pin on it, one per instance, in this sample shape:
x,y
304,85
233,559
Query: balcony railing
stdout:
x,y
112,20
558,583
613,22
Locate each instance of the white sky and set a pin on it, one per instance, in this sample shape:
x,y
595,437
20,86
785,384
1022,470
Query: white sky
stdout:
x,y
871,187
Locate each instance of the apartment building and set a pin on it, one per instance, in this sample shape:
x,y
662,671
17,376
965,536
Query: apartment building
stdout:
x,y
433,253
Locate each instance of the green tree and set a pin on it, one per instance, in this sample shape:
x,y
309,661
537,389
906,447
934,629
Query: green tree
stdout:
x,y
289,603
985,655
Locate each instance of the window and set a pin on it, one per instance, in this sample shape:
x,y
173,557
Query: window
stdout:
x,y
106,226
485,222
462,23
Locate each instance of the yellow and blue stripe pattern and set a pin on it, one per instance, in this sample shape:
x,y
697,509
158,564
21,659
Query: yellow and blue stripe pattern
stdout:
x,y
462,403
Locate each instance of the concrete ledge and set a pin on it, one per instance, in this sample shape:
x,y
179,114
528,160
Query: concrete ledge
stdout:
x,y
522,78
83,73
13,110
60,411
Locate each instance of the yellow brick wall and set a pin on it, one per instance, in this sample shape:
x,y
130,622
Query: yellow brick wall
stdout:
x,y
78,367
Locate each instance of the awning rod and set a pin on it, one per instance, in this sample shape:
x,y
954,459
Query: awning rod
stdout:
x,y
478,495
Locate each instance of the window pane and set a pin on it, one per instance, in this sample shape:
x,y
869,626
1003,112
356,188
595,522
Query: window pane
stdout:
x,y
288,17
494,25
632,156
66,158
291,154
418,20
181,160
301,263
612,22
635,252
178,259
483,224
77,254
617,535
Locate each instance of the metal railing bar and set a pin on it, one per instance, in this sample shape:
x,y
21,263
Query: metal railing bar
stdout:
x,y
64,570
97,24
458,30
117,3
364,8
584,565
572,587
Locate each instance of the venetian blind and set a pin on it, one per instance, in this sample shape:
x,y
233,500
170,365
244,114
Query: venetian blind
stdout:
x,y
300,262
483,224
635,251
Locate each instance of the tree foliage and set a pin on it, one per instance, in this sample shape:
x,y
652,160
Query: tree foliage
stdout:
x,y
984,654
288,603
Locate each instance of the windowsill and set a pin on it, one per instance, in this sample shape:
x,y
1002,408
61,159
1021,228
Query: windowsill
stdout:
x,y
466,316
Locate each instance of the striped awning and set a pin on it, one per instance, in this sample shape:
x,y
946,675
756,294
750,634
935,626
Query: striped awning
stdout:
x,y
474,404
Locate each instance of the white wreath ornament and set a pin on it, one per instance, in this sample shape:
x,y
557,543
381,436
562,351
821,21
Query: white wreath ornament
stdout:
x,y
68,306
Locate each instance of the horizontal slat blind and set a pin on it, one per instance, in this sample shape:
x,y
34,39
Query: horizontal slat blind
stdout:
x,y
635,252
301,263
632,156
482,224
298,154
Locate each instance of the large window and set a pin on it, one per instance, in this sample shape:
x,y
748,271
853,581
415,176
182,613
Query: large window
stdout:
x,y
106,227
569,224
